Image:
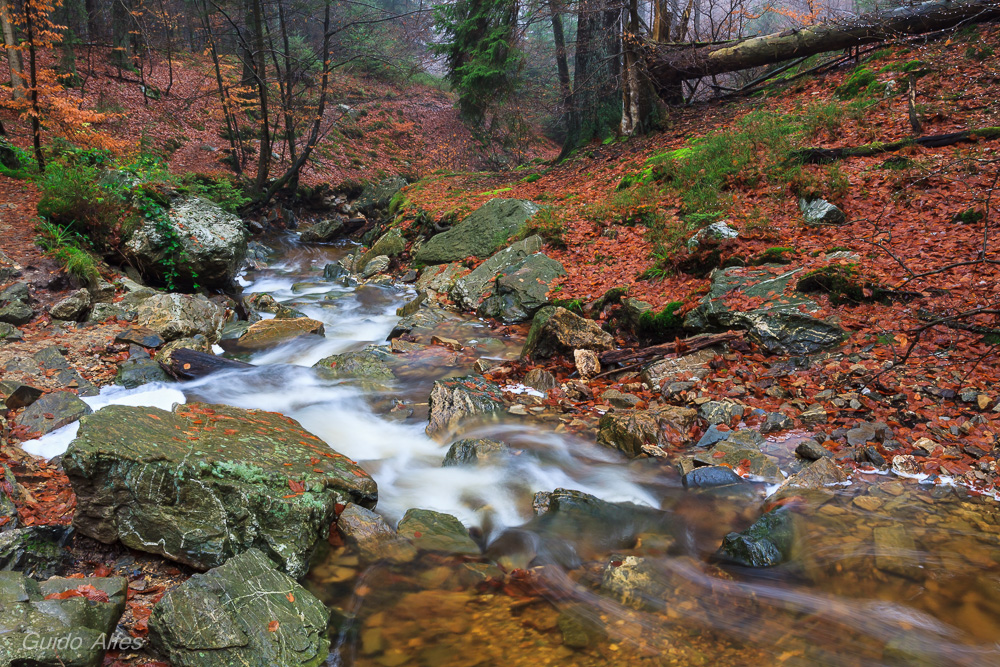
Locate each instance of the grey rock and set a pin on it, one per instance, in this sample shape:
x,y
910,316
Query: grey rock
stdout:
x,y
440,279
16,312
9,333
371,363
213,245
541,379
375,197
812,450
18,395
174,316
455,400
72,307
779,326
244,612
372,536
717,231
390,244
53,411
140,336
556,331
102,312
375,266
761,466
713,435
821,213
470,290
521,290
617,399
711,476
721,412
482,233
37,551
632,431
134,373
775,421
323,231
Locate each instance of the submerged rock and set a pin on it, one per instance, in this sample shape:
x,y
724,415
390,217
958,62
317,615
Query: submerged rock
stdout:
x,y
768,542
482,233
244,612
213,245
372,536
556,331
744,456
635,582
456,399
473,452
41,629
434,531
204,483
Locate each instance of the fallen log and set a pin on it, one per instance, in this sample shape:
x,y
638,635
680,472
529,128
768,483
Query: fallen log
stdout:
x,y
188,364
821,155
669,64
678,347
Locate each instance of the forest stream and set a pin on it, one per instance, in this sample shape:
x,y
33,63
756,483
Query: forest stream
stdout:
x,y
879,570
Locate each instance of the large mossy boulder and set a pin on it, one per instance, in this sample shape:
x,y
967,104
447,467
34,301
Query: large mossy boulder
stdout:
x,y
376,197
781,325
390,244
556,331
243,613
455,400
213,245
174,316
60,622
481,234
204,483
470,290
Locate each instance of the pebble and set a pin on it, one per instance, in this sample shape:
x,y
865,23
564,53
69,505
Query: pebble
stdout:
x,y
868,503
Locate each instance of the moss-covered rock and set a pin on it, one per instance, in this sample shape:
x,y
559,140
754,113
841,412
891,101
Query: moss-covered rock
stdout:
x,y
37,551
470,290
53,411
244,613
768,542
522,290
206,482
371,363
435,531
475,451
481,234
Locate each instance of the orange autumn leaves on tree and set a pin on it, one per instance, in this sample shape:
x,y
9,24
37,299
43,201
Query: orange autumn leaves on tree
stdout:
x,y
46,103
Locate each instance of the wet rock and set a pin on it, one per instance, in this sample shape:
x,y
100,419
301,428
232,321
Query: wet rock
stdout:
x,y
811,450
821,213
873,456
8,492
259,302
775,421
629,431
635,582
779,326
713,435
721,412
456,399
71,307
213,245
865,432
474,452
336,273
482,233
223,489
617,399
822,474
556,331
18,395
768,542
269,333
374,362
521,290
174,316
734,455
411,307
745,438
37,551
814,414
717,231
435,531
53,411
14,304
914,649
323,231
198,342
541,379
244,612
587,363
140,336
372,536
711,476
470,290
375,265
70,632
134,373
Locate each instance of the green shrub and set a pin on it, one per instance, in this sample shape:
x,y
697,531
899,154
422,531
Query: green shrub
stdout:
x,y
548,226
88,199
858,82
67,247
221,190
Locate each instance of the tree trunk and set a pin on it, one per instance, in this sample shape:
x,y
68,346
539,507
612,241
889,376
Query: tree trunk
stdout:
x,y
121,37
669,64
260,73
562,63
638,109
595,107
36,113
13,55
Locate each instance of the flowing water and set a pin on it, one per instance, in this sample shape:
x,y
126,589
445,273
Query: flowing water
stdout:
x,y
884,571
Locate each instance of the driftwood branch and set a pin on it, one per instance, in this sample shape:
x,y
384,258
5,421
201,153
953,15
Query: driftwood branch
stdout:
x,y
678,347
820,155
188,364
